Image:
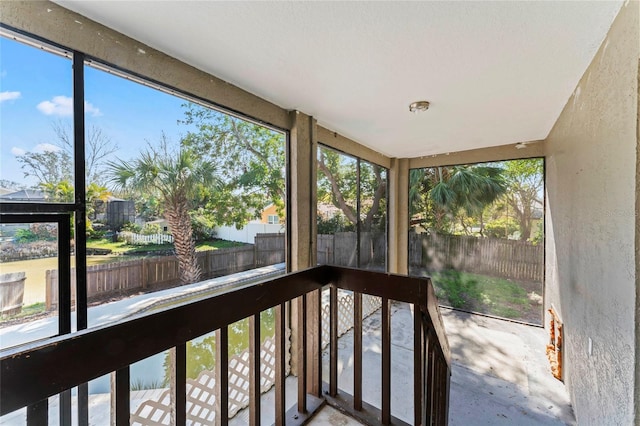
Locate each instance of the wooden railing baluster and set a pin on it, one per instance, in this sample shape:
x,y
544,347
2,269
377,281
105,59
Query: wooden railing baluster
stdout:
x,y
121,401
418,365
38,413
386,362
254,370
280,408
83,404
222,376
333,338
302,354
357,351
65,408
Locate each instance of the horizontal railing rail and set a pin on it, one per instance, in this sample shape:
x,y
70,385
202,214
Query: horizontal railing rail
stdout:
x,y
32,373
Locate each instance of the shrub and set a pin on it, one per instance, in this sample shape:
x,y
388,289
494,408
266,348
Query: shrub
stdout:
x,y
151,229
500,228
131,227
461,293
25,236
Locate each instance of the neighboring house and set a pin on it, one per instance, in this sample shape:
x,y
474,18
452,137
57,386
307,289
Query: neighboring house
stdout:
x,y
162,223
24,195
327,211
268,223
270,215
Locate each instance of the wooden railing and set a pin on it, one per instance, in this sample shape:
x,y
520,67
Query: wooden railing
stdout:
x,y
32,373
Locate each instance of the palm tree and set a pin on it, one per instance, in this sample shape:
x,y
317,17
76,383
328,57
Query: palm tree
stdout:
x,y
174,177
453,190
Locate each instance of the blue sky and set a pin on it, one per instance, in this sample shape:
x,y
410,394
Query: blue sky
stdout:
x,y
36,92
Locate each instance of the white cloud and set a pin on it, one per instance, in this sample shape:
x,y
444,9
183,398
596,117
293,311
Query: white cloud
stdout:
x,y
59,105
46,147
9,96
63,106
18,151
90,109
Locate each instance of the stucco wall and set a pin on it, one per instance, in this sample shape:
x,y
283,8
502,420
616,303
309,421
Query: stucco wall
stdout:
x,y
591,222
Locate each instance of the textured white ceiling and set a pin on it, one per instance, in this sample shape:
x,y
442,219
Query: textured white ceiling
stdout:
x,y
494,72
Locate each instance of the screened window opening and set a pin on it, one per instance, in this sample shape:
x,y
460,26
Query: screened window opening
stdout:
x,y
477,230
352,211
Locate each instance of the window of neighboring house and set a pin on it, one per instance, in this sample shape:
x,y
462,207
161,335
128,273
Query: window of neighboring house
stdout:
x,y
273,219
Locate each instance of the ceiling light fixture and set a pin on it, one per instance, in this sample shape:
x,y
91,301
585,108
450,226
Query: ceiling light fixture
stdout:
x,y
419,106
521,145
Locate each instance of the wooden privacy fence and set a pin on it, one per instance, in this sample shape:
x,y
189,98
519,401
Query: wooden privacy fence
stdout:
x,y
519,260
269,249
340,249
156,272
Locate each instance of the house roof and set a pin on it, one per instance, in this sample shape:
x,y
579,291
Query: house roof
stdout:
x,y
495,72
24,195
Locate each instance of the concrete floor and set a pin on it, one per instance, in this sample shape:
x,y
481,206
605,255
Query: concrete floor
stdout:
x,y
500,374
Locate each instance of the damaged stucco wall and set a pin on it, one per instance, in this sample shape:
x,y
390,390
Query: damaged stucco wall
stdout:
x,y
591,228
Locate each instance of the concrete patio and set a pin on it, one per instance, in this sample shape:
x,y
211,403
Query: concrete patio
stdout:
x,y
500,374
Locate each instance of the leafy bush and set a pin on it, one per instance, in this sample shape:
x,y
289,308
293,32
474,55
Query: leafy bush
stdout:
x,y
202,225
538,237
337,223
501,228
131,227
462,293
95,234
25,236
151,229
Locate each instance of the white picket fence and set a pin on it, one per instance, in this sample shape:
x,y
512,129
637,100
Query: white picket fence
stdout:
x,y
133,238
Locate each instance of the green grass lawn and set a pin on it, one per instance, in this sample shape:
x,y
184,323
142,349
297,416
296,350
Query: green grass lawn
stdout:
x,y
489,295
36,308
122,247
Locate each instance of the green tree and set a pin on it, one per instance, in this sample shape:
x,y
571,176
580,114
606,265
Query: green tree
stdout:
x,y
251,159
338,185
95,193
524,180
456,192
176,178
60,191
